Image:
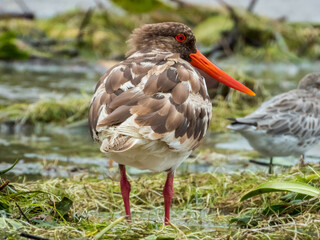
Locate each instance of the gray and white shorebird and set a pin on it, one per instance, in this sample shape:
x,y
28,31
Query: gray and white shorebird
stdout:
x,y
287,124
152,109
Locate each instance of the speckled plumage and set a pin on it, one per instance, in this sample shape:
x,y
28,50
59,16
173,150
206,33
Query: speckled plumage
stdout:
x,y
287,124
150,110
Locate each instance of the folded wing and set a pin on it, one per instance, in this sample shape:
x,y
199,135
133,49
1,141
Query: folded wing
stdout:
x,y
154,97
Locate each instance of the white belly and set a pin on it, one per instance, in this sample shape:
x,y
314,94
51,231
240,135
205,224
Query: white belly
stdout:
x,y
273,145
152,155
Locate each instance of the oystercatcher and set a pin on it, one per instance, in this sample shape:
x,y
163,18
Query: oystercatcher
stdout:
x,y
287,124
152,109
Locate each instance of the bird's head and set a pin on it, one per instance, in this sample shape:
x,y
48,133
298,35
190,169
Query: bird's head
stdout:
x,y
178,38
169,36
310,82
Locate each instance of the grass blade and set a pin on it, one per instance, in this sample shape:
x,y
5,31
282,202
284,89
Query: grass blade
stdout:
x,y
105,230
8,169
278,186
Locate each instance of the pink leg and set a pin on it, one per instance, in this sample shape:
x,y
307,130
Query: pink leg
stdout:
x,y
125,190
167,194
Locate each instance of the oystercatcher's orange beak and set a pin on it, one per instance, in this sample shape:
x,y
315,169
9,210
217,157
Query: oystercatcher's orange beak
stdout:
x,y
201,62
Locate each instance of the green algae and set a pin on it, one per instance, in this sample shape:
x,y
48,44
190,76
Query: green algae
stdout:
x,y
57,111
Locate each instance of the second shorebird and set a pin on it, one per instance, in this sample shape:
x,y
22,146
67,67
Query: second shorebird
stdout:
x,y
287,124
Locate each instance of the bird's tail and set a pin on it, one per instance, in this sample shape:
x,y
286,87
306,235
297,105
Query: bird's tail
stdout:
x,y
241,123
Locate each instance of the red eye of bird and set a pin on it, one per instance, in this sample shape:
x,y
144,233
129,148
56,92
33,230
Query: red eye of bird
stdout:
x,y
180,37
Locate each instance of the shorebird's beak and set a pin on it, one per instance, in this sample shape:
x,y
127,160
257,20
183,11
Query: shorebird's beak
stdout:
x,y
201,62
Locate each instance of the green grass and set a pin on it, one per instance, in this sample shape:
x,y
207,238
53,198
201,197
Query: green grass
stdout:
x,y
205,206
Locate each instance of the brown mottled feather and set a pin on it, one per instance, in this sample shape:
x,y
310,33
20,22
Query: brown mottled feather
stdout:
x,y
117,117
180,93
159,99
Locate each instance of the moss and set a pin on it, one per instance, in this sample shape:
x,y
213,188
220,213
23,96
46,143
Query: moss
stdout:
x,y
59,111
9,48
209,31
106,33
140,6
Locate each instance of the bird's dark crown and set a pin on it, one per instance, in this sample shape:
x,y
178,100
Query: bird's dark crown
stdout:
x,y
162,36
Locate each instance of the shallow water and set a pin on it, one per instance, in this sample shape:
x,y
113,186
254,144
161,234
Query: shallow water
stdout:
x,y
30,82
49,150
